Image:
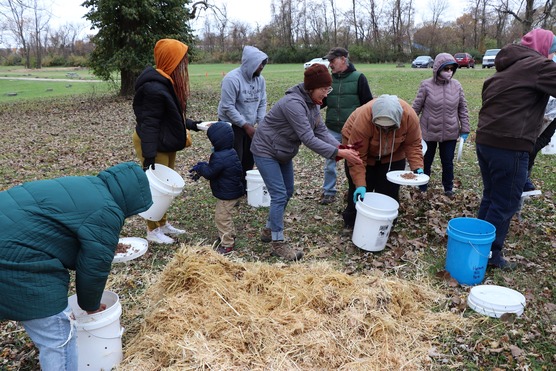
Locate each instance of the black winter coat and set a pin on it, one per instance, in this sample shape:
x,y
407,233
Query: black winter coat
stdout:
x,y
160,119
224,168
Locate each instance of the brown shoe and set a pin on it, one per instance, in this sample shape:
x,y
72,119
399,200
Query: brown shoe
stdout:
x,y
327,199
266,235
281,249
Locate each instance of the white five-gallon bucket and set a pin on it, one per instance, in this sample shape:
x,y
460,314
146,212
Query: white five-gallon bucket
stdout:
x,y
99,335
257,194
375,215
165,184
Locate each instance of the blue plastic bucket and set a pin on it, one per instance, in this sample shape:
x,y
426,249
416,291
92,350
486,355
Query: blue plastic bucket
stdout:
x,y
469,243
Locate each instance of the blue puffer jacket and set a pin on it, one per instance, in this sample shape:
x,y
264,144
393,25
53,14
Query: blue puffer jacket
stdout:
x,y
224,168
70,223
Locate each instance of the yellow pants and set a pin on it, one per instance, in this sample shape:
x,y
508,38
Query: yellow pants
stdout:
x,y
164,158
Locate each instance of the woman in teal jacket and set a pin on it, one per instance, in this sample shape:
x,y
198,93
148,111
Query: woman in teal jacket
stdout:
x,y
50,227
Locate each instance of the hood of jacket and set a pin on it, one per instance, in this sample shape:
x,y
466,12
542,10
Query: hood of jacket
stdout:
x,y
221,136
512,53
251,59
129,186
441,61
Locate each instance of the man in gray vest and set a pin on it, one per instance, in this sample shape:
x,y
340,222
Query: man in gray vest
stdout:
x,y
350,90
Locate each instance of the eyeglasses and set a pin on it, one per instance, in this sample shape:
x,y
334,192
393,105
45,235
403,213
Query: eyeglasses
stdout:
x,y
328,90
449,68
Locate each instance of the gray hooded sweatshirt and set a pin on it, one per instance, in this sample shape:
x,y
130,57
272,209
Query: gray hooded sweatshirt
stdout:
x,y
243,96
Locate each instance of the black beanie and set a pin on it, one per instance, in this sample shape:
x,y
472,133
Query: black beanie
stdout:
x,y
317,76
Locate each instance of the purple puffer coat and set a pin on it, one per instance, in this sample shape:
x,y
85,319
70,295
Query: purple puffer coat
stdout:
x,y
441,104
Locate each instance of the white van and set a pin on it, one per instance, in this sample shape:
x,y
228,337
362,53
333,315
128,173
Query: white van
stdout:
x,y
488,58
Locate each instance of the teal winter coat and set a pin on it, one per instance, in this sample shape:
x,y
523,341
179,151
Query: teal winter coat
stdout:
x,y
49,227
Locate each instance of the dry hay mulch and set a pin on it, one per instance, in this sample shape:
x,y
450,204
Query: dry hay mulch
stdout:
x,y
207,312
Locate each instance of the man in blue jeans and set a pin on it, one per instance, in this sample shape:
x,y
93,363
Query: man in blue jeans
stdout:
x,y
350,90
514,102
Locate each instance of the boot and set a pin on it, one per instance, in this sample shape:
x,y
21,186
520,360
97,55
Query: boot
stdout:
x,y
497,261
529,186
281,249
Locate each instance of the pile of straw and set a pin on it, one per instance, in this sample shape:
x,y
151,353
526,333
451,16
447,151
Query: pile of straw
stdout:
x,y
207,312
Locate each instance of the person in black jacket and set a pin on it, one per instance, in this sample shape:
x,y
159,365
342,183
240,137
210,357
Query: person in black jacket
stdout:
x,y
160,104
225,173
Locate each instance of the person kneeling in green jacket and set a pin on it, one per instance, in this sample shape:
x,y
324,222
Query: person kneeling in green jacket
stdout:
x,y
50,227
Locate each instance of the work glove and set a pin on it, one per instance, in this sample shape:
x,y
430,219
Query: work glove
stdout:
x,y
464,136
148,162
418,171
359,193
192,125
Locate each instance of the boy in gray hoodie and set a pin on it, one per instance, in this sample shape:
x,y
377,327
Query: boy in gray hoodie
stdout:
x,y
243,102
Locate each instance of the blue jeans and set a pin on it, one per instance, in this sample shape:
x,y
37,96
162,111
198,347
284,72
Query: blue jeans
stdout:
x,y
446,150
278,179
56,338
504,173
329,184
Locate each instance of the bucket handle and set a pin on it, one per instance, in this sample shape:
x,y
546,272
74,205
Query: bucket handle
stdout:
x,y
107,338
478,252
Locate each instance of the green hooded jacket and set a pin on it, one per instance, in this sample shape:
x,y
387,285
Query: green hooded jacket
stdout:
x,y
71,223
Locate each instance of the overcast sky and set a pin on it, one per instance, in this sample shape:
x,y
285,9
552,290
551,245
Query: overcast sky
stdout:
x,y
250,11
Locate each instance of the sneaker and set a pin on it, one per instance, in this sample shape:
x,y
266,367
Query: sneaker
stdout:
x,y
327,199
281,249
266,235
157,236
449,193
169,229
224,250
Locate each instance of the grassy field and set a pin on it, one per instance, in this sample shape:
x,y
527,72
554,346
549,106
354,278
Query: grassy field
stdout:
x,y
82,134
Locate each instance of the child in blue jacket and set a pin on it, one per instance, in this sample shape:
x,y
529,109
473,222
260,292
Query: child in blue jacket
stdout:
x,y
225,174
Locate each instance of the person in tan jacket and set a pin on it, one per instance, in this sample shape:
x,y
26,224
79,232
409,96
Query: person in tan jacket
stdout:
x,y
386,133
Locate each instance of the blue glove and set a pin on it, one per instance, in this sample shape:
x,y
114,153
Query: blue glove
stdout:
x,y
194,171
418,171
464,136
359,193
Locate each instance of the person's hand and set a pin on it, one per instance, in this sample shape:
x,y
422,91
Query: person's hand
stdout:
x,y
194,171
148,162
359,193
351,156
249,129
464,136
100,309
192,125
418,171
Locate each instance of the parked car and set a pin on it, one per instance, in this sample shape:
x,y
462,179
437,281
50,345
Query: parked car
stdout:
x,y
422,61
488,58
465,60
322,61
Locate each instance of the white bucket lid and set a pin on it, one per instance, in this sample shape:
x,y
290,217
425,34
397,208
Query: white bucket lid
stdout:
x,y
494,301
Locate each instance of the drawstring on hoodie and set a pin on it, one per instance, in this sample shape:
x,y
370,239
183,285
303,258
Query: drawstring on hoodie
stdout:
x,y
380,146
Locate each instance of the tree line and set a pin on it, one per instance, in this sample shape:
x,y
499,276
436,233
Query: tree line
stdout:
x,y
375,31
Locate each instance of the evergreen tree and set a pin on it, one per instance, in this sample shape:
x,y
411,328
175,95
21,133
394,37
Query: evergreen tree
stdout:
x,y
128,31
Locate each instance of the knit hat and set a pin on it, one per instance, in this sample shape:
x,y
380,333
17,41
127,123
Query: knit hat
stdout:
x,y
317,76
168,53
335,53
387,111
543,41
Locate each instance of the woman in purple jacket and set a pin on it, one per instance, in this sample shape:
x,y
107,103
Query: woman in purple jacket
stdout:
x,y
444,117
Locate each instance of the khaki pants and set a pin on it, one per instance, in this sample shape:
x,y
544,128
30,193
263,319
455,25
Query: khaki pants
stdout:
x,y
223,217
164,158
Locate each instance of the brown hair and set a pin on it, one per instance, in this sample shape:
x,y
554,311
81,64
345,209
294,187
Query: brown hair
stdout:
x,y
180,76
